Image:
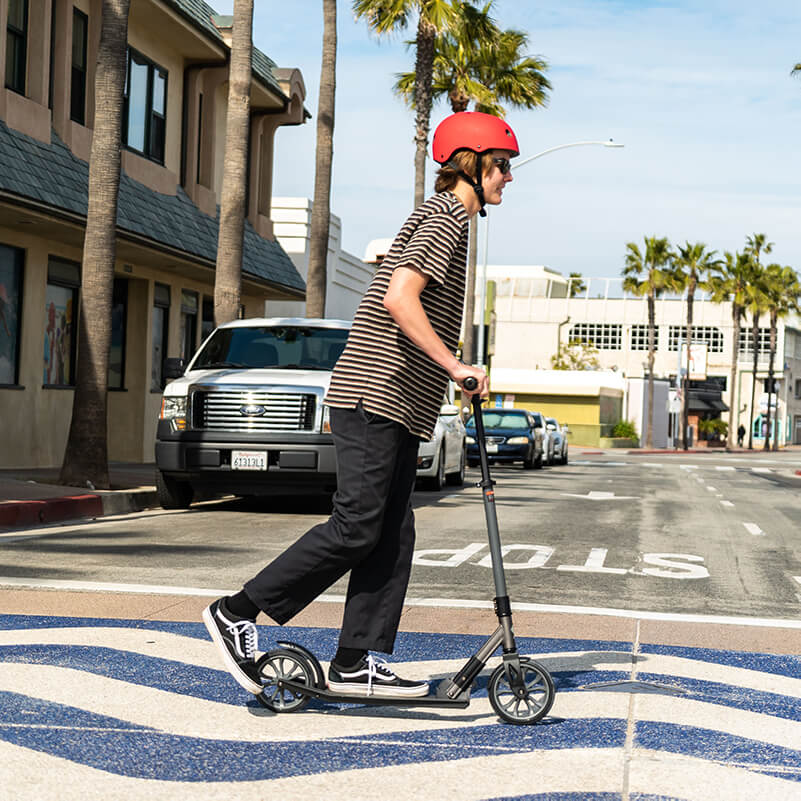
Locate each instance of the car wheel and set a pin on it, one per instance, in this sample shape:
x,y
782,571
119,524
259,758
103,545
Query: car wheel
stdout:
x,y
564,457
437,481
173,494
457,479
528,462
538,462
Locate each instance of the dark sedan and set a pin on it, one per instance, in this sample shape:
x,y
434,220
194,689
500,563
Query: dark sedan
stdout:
x,y
512,435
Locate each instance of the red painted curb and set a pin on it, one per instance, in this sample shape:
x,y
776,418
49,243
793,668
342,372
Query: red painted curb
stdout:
x,y
14,514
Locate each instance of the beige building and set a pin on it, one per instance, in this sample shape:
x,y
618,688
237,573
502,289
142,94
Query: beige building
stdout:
x,y
533,317
175,101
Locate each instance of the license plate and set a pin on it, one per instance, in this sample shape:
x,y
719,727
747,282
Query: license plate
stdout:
x,y
248,460
492,447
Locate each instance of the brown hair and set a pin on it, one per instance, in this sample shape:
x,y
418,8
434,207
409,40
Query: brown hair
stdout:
x,y
448,177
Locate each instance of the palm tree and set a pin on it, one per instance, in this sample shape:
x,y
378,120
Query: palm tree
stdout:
x,y
577,285
86,454
433,16
649,275
693,263
316,276
729,283
756,244
783,291
475,61
230,241
796,70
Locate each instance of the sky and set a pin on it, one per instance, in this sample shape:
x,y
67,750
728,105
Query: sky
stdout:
x,y
698,91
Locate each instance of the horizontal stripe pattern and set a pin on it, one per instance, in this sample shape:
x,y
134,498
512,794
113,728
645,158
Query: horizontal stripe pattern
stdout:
x,y
380,366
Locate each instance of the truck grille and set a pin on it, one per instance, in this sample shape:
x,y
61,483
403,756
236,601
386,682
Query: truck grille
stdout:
x,y
236,410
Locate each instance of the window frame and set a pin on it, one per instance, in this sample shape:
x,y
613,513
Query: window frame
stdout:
x,y
601,336
18,266
75,115
73,284
150,114
20,37
189,321
119,297
164,304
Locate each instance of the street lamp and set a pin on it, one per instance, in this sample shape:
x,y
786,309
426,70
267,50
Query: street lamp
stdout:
x,y
517,165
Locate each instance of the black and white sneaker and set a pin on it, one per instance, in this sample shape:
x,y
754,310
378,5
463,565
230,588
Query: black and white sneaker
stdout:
x,y
372,676
236,639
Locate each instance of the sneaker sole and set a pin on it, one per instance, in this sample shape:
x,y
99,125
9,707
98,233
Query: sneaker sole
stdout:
x,y
241,677
383,691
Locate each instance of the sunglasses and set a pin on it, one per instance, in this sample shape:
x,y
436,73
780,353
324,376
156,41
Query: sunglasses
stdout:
x,y
504,165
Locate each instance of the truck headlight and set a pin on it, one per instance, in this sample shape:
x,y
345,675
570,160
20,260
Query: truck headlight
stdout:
x,y
517,441
174,410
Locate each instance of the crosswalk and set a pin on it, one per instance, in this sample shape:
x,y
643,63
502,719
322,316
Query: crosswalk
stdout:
x,y
141,709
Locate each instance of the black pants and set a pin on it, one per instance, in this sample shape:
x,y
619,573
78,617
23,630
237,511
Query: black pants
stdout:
x,y
370,533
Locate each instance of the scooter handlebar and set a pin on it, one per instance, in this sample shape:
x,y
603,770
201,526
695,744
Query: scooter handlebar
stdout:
x,y
470,383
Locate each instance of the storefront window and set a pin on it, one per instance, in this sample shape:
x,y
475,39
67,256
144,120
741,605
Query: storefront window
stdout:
x,y
11,261
161,316
61,306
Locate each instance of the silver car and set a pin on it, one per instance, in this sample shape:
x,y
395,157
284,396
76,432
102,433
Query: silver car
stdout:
x,y
442,458
558,435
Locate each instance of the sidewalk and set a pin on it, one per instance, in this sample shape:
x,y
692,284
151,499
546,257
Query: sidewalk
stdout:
x,y
32,496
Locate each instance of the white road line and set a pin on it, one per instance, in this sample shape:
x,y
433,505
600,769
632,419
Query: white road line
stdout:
x,y
652,464
797,578
445,603
711,489
753,528
726,503
724,467
761,469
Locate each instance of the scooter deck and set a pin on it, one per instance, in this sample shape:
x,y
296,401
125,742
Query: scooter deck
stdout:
x,y
462,701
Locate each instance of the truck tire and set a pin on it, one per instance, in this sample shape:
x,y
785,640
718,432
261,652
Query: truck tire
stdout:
x,y
173,494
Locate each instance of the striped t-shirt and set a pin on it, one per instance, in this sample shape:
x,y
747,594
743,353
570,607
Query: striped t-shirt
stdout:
x,y
380,365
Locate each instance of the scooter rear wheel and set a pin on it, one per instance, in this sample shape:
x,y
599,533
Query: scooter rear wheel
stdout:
x,y
529,706
283,663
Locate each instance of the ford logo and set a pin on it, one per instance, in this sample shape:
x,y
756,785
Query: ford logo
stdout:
x,y
252,410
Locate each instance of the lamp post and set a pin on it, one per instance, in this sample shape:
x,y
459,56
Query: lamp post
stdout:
x,y
482,310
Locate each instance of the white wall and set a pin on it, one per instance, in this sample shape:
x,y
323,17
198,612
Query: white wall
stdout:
x,y
347,276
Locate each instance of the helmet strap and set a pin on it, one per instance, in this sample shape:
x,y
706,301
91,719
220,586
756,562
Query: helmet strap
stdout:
x,y
478,187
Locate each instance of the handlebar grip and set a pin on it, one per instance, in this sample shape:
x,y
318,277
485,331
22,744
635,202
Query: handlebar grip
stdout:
x,y
470,383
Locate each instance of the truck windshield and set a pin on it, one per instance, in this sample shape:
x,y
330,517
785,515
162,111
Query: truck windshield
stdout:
x,y
287,347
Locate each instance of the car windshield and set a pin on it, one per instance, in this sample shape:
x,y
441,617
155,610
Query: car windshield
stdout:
x,y
494,418
287,347
551,422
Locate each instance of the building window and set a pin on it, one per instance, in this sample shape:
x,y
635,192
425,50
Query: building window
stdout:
x,y
80,27
61,308
603,336
145,107
11,262
189,311
16,45
161,319
747,341
702,335
798,387
207,317
639,337
119,317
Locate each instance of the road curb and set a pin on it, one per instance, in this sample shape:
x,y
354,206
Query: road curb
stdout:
x,y
20,514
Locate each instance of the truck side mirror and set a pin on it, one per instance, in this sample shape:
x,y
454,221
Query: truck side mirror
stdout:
x,y
174,368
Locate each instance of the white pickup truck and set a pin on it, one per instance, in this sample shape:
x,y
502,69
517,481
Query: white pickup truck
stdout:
x,y
246,415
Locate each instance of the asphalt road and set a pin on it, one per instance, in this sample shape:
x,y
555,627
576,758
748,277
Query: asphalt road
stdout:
x,y
702,534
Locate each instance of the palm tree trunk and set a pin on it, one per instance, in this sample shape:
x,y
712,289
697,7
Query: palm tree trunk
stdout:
x,y
734,414
755,336
424,70
316,278
228,277
649,435
773,324
86,454
468,344
685,394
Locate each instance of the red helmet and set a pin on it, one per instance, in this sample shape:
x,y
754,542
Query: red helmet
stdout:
x,y
472,130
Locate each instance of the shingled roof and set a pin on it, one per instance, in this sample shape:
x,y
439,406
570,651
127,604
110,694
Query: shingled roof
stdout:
x,y
200,14
51,175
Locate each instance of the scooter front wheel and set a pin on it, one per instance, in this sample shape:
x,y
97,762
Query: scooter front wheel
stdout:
x,y
283,663
522,699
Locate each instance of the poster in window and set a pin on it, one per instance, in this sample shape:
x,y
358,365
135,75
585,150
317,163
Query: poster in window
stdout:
x,y
58,335
9,310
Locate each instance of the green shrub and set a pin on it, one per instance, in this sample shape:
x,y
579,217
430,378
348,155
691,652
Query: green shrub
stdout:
x,y
714,429
625,429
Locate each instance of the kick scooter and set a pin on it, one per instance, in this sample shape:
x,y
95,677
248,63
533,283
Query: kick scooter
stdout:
x,y
520,690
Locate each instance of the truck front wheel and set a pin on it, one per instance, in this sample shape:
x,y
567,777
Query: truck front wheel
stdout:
x,y
173,494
